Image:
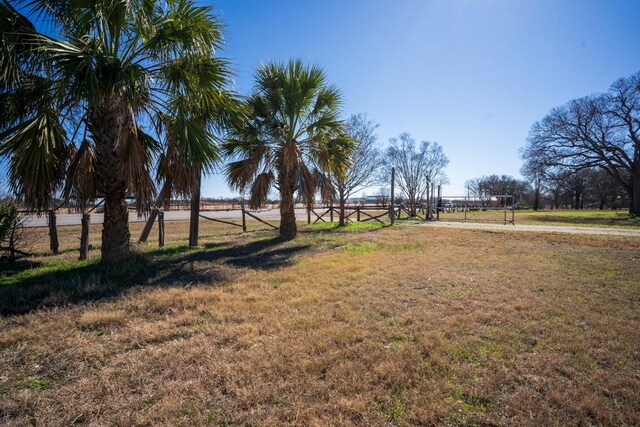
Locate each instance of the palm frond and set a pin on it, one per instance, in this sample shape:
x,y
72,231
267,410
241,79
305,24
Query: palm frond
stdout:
x,y
241,173
324,186
195,144
182,29
134,167
291,126
175,172
16,36
37,157
305,183
260,189
80,181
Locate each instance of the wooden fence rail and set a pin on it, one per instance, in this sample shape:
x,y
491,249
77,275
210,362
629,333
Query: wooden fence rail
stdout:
x,y
259,219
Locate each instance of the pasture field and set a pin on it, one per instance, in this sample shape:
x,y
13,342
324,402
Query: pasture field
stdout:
x,y
363,325
566,217
587,218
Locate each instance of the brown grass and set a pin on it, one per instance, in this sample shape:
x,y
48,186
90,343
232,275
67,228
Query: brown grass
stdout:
x,y
566,217
175,232
401,326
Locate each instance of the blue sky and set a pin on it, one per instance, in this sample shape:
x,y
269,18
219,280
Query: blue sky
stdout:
x,y
471,75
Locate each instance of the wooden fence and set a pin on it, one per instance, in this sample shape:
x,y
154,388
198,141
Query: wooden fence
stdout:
x,y
244,214
364,213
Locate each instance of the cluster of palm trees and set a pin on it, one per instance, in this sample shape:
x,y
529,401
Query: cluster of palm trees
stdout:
x,y
119,98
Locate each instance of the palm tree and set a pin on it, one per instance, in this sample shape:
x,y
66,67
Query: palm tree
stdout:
x,y
108,70
291,138
182,166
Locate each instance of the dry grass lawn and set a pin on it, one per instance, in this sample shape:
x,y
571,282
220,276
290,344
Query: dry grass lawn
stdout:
x,y
566,217
394,326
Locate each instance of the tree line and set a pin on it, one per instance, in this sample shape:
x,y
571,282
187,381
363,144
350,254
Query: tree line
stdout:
x,y
588,188
118,100
589,147
583,154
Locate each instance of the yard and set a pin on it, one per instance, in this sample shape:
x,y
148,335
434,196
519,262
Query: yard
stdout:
x,y
566,217
366,325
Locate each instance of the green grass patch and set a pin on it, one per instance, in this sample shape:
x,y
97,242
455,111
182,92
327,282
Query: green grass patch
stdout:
x,y
395,410
363,248
475,404
581,218
21,273
350,226
40,384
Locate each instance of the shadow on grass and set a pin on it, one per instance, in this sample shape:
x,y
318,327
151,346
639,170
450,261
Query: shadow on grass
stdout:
x,y
69,283
21,264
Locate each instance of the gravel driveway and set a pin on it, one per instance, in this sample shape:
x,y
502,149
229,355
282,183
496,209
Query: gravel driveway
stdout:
x,y
629,232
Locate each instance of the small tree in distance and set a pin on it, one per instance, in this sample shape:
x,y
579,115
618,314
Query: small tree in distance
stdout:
x,y
416,167
365,161
498,186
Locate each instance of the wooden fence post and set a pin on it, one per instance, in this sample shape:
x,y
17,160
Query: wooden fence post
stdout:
x,y
163,198
331,212
161,228
391,208
54,244
429,196
148,226
439,203
84,236
357,213
244,220
505,210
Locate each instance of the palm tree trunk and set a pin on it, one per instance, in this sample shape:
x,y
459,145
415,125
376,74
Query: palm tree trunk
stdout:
x,y
288,229
194,220
109,123
115,229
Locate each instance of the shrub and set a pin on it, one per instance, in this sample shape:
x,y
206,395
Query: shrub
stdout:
x,y
11,230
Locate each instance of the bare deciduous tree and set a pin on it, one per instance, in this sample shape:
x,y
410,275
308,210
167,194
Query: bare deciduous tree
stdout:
x,y
601,131
535,173
416,166
490,186
365,161
383,196
477,189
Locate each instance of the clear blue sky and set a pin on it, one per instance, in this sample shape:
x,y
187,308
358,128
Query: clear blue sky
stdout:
x,y
472,75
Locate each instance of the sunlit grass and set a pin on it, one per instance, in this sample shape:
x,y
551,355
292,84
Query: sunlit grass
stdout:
x,y
494,327
350,226
579,218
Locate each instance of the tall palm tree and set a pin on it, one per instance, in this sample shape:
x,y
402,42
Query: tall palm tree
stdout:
x,y
291,138
107,69
185,161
